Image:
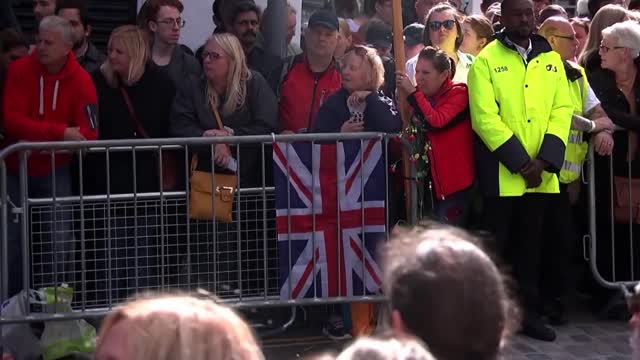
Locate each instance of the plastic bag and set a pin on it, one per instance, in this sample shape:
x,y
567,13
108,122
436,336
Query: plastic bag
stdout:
x,y
20,339
63,338
58,339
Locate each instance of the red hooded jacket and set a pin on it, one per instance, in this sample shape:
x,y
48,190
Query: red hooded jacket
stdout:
x,y
39,107
448,129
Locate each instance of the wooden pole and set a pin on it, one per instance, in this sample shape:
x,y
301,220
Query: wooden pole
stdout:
x,y
398,52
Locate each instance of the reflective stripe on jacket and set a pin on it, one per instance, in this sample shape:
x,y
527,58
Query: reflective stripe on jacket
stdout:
x,y
576,146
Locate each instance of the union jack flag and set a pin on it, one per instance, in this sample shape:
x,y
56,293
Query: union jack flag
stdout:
x,y
326,249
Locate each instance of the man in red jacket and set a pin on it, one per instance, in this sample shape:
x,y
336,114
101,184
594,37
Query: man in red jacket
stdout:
x,y
48,97
313,75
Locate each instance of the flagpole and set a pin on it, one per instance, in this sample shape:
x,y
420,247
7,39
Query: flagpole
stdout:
x,y
398,51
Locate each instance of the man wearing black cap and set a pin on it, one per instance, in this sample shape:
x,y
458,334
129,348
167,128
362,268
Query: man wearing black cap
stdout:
x,y
380,37
413,40
313,75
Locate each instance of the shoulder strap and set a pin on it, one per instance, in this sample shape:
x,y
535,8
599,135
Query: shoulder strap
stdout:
x,y
136,122
218,120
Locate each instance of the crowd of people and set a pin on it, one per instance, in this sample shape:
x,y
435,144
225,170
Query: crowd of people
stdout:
x,y
506,103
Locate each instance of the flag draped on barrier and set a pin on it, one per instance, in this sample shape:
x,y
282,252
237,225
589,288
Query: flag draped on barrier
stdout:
x,y
328,228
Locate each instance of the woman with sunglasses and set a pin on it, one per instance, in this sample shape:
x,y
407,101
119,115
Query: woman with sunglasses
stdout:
x,y
441,106
444,31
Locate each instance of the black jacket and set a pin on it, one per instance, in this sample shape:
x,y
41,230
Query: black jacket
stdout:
x,y
151,98
615,104
182,66
92,58
380,114
191,116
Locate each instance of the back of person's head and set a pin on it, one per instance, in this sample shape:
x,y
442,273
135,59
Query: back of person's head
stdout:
x,y
583,23
444,289
175,328
605,17
551,11
385,349
80,5
11,39
582,8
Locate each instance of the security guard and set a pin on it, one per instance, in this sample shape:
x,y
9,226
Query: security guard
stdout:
x,y
521,111
558,223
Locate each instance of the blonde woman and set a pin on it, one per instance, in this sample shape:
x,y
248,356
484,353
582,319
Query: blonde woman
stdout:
x,y
134,101
175,328
605,17
128,77
359,105
240,97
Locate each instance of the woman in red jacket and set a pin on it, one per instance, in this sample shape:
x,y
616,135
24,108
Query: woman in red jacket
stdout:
x,y
442,109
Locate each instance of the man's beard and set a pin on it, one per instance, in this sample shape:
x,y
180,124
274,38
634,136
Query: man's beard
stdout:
x,y
78,44
249,38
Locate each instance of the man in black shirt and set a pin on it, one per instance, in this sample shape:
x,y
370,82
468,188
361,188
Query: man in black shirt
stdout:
x,y
76,12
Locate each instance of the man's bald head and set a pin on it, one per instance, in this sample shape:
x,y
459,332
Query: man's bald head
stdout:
x,y
560,35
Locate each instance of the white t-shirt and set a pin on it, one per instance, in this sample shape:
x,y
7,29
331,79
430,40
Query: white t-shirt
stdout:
x,y
590,101
462,67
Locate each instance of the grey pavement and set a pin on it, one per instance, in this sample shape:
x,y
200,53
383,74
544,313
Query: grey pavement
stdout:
x,y
586,339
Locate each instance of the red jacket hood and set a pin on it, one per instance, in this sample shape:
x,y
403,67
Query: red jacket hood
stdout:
x,y
70,67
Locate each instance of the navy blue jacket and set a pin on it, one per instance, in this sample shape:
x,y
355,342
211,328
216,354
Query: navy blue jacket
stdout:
x,y
380,115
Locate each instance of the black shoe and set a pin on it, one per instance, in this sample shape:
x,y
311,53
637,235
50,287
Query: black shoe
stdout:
x,y
556,312
534,327
335,329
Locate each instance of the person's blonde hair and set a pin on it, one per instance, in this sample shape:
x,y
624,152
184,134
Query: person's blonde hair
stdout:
x,y
375,68
385,349
180,327
605,17
237,77
134,41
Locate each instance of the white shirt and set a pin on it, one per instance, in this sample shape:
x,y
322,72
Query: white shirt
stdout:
x,y
522,51
590,101
462,67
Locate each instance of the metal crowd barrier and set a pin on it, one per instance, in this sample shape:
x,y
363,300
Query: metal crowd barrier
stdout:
x,y
86,240
612,246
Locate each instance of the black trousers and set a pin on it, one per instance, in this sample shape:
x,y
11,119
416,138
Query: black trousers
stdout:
x,y
559,238
517,226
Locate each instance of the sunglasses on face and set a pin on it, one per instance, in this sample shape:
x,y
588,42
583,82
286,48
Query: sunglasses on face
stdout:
x,y
436,25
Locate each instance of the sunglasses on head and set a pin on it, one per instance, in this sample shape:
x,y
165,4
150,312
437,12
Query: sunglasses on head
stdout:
x,y
436,25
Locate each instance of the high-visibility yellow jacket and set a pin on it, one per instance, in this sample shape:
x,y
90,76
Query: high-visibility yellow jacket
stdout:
x,y
577,148
520,111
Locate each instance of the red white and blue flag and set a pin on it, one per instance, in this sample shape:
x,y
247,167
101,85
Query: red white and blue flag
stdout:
x,y
328,228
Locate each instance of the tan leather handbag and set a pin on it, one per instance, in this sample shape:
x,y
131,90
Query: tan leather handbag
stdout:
x,y
204,202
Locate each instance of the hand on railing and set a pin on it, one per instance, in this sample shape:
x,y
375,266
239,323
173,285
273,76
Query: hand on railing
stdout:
x,y
73,134
603,143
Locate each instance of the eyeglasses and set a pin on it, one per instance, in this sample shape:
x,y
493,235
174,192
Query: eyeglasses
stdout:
x,y
570,38
436,25
179,22
606,49
212,55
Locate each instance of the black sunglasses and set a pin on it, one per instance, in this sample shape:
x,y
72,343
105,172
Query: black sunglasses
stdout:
x,y
436,25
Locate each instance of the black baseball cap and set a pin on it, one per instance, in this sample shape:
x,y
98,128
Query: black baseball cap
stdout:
x,y
379,35
324,18
413,34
